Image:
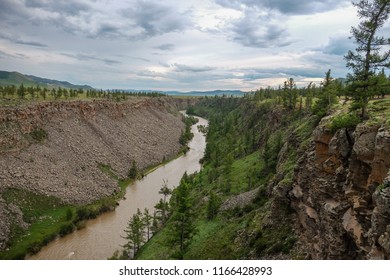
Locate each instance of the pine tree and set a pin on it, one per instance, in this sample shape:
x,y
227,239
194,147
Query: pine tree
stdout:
x,y
133,172
368,56
148,221
290,94
182,216
162,207
134,234
212,206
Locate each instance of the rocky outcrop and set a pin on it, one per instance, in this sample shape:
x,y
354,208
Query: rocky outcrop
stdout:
x,y
341,193
55,148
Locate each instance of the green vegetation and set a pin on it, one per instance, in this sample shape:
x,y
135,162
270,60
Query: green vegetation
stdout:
x,y
370,54
187,135
20,94
38,135
133,172
244,153
384,185
47,216
346,120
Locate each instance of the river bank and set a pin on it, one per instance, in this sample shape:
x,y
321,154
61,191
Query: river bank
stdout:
x,y
102,236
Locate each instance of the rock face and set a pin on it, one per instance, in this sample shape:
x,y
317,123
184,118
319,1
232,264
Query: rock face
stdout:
x,y
55,148
341,193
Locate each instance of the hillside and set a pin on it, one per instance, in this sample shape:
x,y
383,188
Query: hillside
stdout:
x,y
283,184
65,161
16,79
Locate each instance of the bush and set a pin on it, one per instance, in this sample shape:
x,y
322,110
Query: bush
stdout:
x,y
349,120
38,134
66,229
133,172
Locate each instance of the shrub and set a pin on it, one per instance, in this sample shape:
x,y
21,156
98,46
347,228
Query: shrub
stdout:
x,y
133,172
66,229
348,120
38,134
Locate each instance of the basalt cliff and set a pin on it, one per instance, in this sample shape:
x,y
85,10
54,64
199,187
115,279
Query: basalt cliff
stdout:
x,y
341,193
57,148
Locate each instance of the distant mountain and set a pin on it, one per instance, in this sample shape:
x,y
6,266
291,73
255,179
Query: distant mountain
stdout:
x,y
190,93
16,78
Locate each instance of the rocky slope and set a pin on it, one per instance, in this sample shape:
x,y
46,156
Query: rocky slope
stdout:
x,y
55,148
341,193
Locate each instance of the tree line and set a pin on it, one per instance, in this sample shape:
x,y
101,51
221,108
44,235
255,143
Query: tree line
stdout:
x,y
30,93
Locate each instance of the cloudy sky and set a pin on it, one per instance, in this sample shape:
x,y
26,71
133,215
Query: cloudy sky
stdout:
x,y
176,45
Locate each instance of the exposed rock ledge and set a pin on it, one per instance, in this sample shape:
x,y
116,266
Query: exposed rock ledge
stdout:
x,y
341,194
81,134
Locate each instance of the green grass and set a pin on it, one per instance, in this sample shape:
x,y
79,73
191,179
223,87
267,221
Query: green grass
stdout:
x,y
213,240
159,247
379,111
242,170
220,238
47,217
346,120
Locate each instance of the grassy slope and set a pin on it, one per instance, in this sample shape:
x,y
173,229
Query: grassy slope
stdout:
x,y
253,230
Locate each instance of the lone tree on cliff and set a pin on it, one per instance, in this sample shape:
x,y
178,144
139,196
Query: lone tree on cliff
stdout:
x,y
369,54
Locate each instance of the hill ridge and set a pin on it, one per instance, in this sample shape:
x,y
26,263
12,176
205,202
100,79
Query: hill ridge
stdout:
x,y
8,78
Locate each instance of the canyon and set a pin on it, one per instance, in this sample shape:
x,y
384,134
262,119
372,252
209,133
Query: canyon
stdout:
x,y
58,149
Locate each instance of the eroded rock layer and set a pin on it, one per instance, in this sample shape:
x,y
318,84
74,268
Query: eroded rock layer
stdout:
x,y
341,194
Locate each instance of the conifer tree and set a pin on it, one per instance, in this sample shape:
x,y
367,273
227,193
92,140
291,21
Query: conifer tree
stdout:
x,y
369,55
134,233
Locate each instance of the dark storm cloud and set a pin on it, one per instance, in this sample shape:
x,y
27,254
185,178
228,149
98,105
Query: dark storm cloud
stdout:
x,y
289,7
156,19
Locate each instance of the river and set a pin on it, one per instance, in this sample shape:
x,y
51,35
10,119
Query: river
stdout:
x,y
103,235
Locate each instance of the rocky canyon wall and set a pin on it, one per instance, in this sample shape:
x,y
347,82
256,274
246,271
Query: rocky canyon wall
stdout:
x,y
55,148
341,193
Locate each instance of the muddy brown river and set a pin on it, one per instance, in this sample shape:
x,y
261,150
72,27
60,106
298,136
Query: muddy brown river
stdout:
x,y
103,235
